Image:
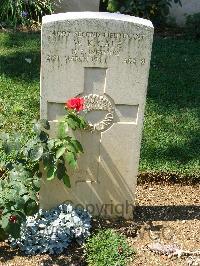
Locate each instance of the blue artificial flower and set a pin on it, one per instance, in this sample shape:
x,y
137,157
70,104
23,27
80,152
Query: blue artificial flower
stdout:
x,y
52,231
24,14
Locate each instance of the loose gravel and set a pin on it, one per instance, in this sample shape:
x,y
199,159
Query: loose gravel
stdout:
x,y
166,213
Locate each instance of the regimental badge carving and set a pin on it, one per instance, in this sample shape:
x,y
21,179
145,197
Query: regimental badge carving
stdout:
x,y
94,102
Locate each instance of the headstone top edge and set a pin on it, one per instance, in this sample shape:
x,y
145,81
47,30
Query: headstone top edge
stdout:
x,y
95,15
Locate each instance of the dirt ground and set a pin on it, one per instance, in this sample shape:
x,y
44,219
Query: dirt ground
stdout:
x,y
165,213
169,214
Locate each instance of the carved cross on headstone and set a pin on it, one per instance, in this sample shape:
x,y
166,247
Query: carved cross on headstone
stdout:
x,y
102,114
105,59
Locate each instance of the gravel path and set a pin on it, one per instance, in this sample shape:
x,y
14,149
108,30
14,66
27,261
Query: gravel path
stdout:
x,y
167,213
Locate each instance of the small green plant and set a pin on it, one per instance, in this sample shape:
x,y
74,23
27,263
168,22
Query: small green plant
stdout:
x,y
16,12
192,26
155,10
107,248
20,181
18,198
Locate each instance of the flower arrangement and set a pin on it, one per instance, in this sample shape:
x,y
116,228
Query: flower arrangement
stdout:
x,y
52,231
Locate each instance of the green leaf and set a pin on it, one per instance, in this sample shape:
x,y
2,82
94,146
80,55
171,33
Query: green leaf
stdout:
x,y
77,145
113,6
9,166
5,220
4,136
43,136
37,128
72,123
19,203
36,153
47,159
62,175
2,165
66,180
51,172
28,147
20,188
13,229
60,152
83,123
79,121
70,147
71,159
61,171
40,125
62,130
26,197
44,123
23,190
8,146
51,144
58,143
3,235
18,173
31,207
36,184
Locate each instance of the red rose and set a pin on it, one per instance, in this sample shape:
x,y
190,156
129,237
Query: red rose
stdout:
x,y
75,104
13,219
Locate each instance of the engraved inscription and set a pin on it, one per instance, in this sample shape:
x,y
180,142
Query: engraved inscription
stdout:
x,y
93,47
57,35
134,61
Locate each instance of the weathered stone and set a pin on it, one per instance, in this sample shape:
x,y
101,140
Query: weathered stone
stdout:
x,y
105,58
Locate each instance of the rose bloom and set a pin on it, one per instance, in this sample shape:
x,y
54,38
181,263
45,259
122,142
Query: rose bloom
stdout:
x,y
75,104
13,219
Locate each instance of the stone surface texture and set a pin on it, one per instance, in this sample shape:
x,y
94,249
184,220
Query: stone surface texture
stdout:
x,y
106,56
75,5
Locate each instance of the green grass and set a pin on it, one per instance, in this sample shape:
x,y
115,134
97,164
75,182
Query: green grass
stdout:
x,y
108,248
171,139
19,81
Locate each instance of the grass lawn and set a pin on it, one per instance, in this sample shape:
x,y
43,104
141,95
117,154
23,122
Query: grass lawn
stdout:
x,y
171,139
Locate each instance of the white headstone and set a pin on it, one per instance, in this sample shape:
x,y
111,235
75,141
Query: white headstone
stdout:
x,y
105,58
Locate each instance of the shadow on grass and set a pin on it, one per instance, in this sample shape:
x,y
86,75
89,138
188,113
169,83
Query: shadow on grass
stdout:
x,y
182,153
172,131
174,73
166,213
15,65
20,40
15,49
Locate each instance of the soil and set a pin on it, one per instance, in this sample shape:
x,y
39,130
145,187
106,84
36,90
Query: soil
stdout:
x,y
168,213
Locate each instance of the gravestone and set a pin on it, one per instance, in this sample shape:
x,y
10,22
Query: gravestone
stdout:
x,y
104,58
75,5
